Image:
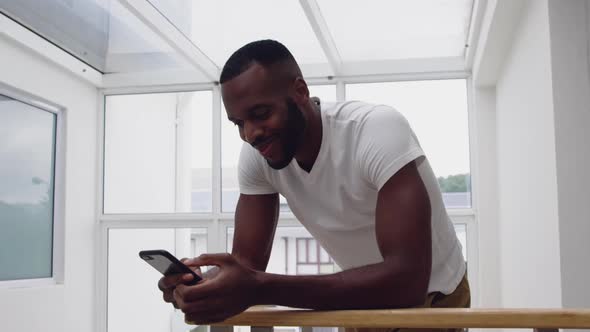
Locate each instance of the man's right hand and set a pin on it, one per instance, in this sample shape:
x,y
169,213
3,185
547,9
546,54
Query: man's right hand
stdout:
x,y
169,283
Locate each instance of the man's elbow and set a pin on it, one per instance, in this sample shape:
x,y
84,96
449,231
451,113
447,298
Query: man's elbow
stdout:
x,y
418,297
417,287
420,287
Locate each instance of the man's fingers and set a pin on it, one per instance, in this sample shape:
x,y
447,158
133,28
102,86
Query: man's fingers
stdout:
x,y
187,277
202,312
168,297
198,271
172,281
191,304
209,259
202,290
169,281
178,300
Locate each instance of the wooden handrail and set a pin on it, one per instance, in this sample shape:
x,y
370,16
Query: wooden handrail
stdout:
x,y
415,318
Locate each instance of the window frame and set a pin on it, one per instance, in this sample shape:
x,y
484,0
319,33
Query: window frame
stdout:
x,y
306,261
58,234
218,221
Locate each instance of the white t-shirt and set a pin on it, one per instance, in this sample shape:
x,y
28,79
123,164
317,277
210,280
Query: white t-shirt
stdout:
x,y
363,145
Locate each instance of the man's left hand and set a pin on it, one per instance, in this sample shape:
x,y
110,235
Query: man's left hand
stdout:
x,y
231,291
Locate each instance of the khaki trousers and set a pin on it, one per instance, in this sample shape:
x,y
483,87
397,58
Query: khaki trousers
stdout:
x,y
459,298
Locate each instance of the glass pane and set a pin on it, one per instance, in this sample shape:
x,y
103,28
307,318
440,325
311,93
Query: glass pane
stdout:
x,y
307,269
134,300
327,269
231,144
199,116
27,162
289,250
326,93
384,29
301,250
102,33
158,153
461,230
437,112
312,251
324,257
220,27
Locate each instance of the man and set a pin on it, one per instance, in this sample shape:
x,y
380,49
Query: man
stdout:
x,y
357,179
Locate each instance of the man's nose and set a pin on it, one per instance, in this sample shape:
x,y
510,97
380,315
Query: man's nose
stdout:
x,y
252,132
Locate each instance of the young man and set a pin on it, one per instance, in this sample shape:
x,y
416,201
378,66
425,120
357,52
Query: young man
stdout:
x,y
353,174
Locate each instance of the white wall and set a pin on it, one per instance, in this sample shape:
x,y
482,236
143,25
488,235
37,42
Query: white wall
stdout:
x,y
542,96
486,197
569,23
70,306
527,186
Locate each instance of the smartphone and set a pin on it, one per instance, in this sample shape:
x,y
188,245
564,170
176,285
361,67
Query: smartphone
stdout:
x,y
167,264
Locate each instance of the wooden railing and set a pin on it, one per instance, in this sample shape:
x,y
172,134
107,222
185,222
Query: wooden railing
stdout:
x,y
264,318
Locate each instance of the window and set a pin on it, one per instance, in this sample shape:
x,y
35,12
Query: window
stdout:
x,y
397,29
290,256
324,92
461,231
159,158
312,258
28,138
104,34
437,112
134,301
158,153
287,24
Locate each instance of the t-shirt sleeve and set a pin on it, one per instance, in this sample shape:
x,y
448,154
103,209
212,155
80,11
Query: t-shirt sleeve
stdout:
x,y
386,144
251,173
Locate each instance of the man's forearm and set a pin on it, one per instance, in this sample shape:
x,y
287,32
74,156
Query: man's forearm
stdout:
x,y
372,286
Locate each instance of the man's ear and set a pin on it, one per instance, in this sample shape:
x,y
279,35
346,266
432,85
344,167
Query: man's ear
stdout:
x,y
300,91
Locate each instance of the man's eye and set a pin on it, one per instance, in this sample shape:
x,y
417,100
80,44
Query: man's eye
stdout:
x,y
262,114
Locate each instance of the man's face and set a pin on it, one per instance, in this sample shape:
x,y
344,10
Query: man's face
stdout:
x,y
266,117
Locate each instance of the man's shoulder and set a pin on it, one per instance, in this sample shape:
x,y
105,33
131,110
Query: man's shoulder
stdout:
x,y
249,158
360,111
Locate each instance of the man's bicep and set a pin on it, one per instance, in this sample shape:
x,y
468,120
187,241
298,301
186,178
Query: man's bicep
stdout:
x,y
403,222
255,223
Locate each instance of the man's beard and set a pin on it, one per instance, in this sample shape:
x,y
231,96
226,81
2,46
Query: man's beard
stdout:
x,y
291,135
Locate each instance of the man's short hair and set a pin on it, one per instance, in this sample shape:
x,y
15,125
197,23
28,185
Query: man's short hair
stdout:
x,y
264,52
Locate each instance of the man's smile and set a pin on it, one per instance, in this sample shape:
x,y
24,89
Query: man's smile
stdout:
x,y
265,147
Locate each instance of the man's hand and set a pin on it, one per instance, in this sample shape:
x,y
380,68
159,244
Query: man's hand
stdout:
x,y
231,291
168,284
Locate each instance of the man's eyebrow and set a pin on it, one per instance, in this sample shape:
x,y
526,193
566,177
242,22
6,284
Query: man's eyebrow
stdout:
x,y
257,106
250,110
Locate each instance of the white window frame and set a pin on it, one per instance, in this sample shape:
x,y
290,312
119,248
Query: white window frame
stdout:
x,y
58,244
217,221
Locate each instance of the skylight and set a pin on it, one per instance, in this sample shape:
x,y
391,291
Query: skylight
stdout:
x,y
327,37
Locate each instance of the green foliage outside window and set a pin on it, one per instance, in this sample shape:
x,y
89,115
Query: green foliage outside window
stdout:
x,y
458,183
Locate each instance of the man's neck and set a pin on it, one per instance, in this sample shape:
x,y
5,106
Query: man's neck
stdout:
x,y
312,140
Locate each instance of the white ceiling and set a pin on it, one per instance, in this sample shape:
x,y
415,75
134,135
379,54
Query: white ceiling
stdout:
x,y
195,37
